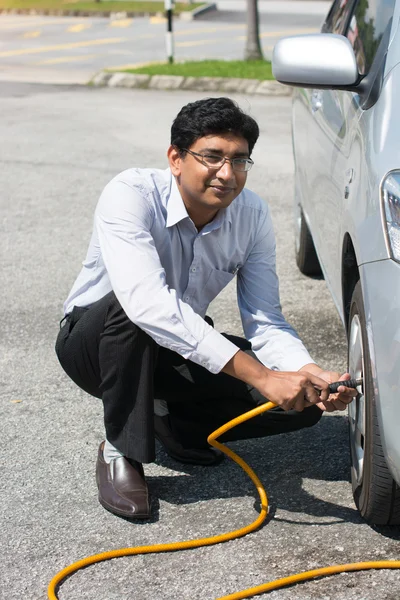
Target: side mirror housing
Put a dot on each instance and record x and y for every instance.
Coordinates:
(322, 60)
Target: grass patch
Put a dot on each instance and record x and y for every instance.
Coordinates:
(253, 69)
(112, 6)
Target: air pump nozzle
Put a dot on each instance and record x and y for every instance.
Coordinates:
(350, 383)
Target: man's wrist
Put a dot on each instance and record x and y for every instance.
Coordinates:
(246, 368)
(312, 368)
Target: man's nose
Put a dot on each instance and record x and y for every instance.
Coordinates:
(226, 171)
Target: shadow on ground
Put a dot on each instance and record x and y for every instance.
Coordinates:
(282, 463)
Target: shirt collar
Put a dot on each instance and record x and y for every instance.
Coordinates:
(176, 210)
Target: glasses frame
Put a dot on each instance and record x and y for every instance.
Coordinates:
(224, 159)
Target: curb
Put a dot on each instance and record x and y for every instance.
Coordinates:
(184, 15)
(199, 84)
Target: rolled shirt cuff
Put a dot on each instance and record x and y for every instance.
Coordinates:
(286, 362)
(214, 351)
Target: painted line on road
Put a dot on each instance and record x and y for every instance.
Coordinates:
(79, 27)
(31, 34)
(274, 34)
(120, 23)
(65, 59)
(241, 38)
(157, 20)
(279, 34)
(7, 26)
(209, 29)
(196, 43)
(63, 47)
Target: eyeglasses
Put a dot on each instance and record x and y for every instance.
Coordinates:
(213, 161)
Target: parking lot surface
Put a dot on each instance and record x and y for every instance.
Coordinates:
(60, 146)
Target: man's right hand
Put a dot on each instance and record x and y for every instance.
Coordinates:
(289, 390)
(293, 390)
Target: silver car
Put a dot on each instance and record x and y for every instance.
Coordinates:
(346, 141)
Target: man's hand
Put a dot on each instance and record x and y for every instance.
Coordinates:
(344, 396)
(289, 390)
(294, 390)
(337, 401)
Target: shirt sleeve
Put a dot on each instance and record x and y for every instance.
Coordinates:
(123, 219)
(273, 340)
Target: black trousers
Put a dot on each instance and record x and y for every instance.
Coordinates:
(109, 357)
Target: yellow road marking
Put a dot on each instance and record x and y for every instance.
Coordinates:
(196, 43)
(273, 34)
(79, 27)
(209, 29)
(121, 23)
(65, 59)
(30, 24)
(279, 34)
(62, 47)
(268, 34)
(31, 34)
(156, 20)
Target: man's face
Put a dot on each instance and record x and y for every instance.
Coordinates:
(204, 189)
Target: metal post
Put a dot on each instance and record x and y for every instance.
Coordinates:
(169, 39)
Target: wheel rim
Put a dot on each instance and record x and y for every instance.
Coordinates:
(298, 217)
(357, 407)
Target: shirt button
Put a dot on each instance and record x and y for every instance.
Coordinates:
(194, 269)
(186, 298)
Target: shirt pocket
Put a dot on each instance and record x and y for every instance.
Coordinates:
(216, 282)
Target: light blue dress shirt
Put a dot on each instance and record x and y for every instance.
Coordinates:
(165, 273)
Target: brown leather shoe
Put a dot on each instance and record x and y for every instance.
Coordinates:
(122, 487)
(193, 456)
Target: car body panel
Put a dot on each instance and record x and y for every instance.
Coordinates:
(383, 329)
(343, 151)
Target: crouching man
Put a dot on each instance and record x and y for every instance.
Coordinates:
(135, 331)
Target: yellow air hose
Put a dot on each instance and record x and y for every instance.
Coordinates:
(217, 539)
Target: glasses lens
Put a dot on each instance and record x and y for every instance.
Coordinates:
(212, 160)
(242, 164)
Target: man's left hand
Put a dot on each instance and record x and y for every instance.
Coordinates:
(337, 401)
(344, 396)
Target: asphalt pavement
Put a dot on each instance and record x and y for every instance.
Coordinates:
(60, 146)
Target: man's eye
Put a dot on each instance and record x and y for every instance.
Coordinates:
(212, 158)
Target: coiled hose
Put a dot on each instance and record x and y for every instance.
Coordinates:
(217, 539)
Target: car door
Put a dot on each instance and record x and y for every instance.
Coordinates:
(333, 114)
(338, 145)
(307, 149)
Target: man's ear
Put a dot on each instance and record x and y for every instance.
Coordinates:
(174, 159)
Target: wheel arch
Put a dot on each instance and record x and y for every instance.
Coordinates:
(350, 276)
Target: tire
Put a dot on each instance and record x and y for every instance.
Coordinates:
(306, 256)
(376, 494)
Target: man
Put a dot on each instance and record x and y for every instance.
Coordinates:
(135, 331)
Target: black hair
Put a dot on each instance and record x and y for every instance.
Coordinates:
(212, 116)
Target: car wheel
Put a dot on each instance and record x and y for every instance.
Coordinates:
(306, 256)
(376, 494)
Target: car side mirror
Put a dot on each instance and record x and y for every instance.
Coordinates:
(322, 60)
